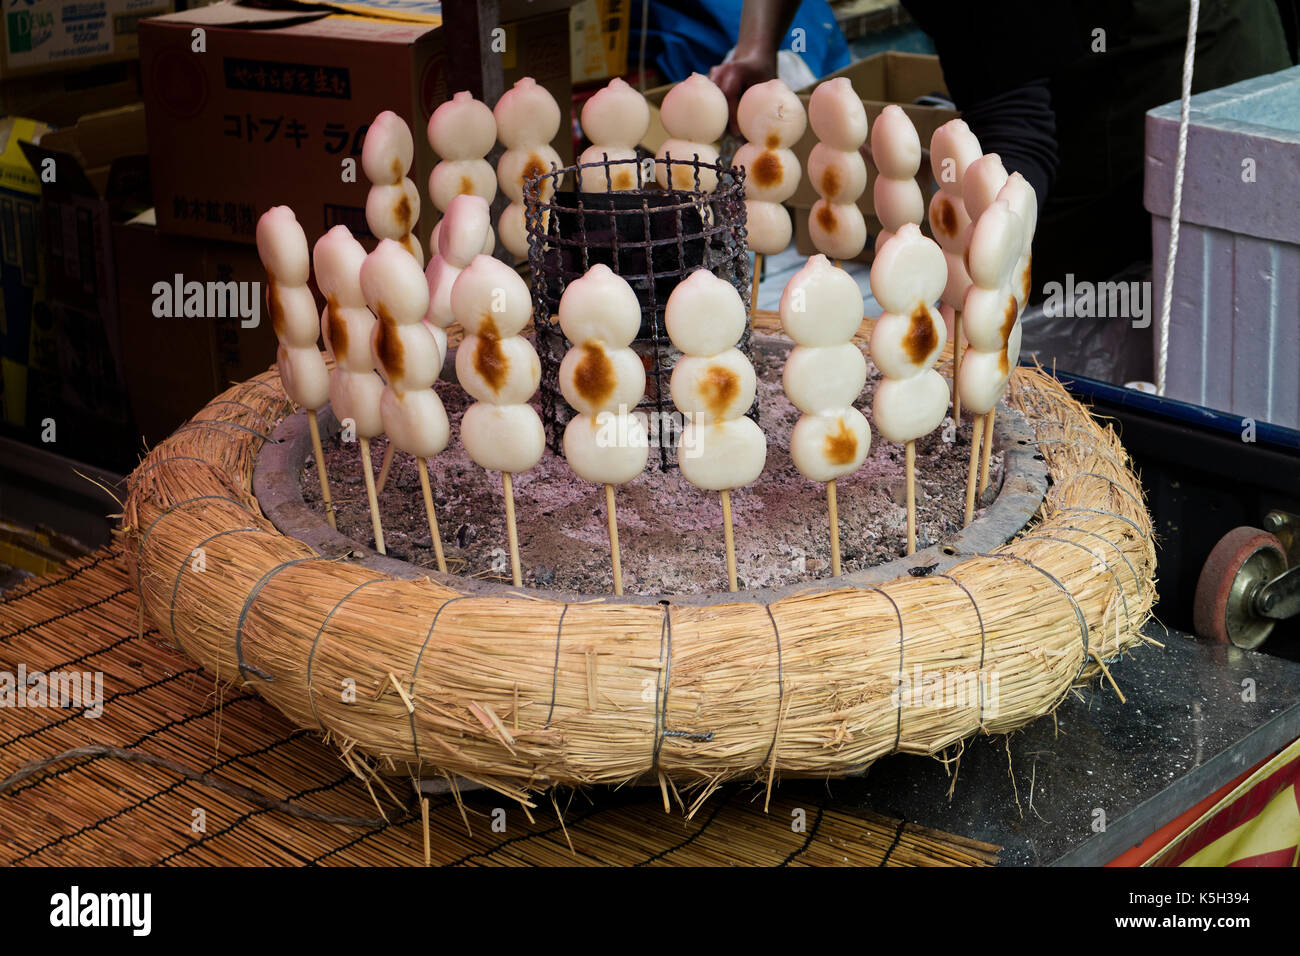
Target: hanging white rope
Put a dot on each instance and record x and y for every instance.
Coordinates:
(1175, 214)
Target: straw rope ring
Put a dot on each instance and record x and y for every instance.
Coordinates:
(518, 690)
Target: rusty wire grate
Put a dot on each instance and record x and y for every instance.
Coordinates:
(651, 237)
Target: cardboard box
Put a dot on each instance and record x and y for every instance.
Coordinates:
(60, 99)
(90, 174)
(204, 354)
(278, 107)
(898, 78)
(20, 267)
(598, 36)
(882, 80)
(42, 36)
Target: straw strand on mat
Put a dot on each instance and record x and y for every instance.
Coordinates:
(572, 681)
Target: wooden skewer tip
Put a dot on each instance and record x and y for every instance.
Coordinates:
(319, 452)
(369, 475)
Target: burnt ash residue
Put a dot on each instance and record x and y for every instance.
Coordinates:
(670, 532)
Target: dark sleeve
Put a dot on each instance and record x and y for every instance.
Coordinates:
(1020, 126)
(1290, 14)
(998, 59)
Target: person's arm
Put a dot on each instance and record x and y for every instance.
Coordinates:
(763, 24)
(996, 61)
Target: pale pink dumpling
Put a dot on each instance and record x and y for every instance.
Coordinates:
(952, 149)
(452, 178)
(282, 246)
(616, 115)
(462, 128)
(769, 114)
(464, 229)
(767, 227)
(704, 315)
(686, 176)
(839, 177)
(388, 150)
(526, 114)
(895, 145)
(821, 305)
(489, 291)
(898, 201)
(980, 186)
(837, 115)
(837, 230)
(615, 168)
(600, 306)
(303, 375)
(908, 271)
(695, 109)
(771, 172)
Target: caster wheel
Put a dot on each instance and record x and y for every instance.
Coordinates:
(1243, 561)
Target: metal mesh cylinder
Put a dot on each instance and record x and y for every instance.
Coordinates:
(651, 237)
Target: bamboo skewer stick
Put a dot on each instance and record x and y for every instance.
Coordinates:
(383, 469)
(956, 366)
(433, 515)
(753, 292)
(976, 439)
(424, 817)
(835, 527)
(368, 473)
(729, 538)
(319, 452)
(911, 497)
(507, 483)
(615, 557)
(988, 450)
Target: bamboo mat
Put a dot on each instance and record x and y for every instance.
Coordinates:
(102, 810)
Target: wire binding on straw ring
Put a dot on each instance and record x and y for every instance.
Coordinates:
(1113, 573)
(1071, 428)
(1108, 514)
(1104, 453)
(661, 684)
(231, 401)
(780, 685)
(212, 422)
(185, 562)
(415, 671)
(1074, 605)
(279, 393)
(141, 472)
(144, 539)
(555, 668)
(311, 654)
(1092, 474)
(245, 669)
(979, 617)
(898, 733)
(1137, 585)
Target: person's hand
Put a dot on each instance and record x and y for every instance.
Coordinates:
(740, 73)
